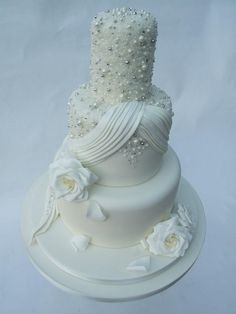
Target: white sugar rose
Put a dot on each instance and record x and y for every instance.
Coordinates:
(169, 238)
(69, 179)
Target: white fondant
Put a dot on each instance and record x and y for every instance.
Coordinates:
(141, 264)
(169, 238)
(80, 242)
(132, 210)
(94, 211)
(50, 214)
(69, 179)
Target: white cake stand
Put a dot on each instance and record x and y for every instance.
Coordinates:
(100, 273)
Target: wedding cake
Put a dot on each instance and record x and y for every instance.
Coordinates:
(114, 180)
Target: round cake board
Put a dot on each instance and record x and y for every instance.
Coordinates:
(100, 273)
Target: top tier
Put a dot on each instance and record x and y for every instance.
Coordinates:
(122, 55)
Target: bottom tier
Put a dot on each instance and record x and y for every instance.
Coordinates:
(101, 273)
(129, 212)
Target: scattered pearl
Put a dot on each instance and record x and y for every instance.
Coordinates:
(141, 38)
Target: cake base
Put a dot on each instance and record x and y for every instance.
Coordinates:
(100, 273)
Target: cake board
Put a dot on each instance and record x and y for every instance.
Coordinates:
(100, 273)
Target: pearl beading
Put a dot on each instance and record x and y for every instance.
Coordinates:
(122, 55)
(134, 149)
(84, 112)
(51, 202)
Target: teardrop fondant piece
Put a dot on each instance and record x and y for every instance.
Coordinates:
(95, 212)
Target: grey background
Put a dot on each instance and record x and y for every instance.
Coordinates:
(44, 55)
